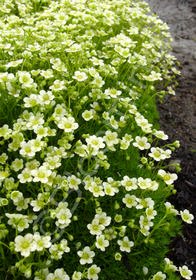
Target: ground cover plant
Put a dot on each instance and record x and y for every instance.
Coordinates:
(84, 179)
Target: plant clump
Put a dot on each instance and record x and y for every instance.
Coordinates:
(83, 173)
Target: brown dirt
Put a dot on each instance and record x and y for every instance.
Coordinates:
(175, 119)
(178, 119)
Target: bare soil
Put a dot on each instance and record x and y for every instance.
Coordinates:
(178, 119)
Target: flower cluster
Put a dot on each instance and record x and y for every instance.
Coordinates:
(82, 169)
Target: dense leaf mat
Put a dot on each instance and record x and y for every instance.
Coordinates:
(84, 180)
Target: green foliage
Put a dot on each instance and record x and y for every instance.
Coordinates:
(83, 176)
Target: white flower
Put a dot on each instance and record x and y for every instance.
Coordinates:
(145, 222)
(186, 216)
(124, 145)
(5, 131)
(145, 231)
(95, 227)
(98, 82)
(168, 178)
(41, 242)
(45, 97)
(109, 189)
(167, 153)
(41, 274)
(17, 164)
(129, 183)
(73, 182)
(47, 74)
(3, 158)
(41, 131)
(95, 142)
(97, 61)
(16, 196)
(59, 274)
(185, 272)
(81, 149)
(88, 114)
(52, 162)
(93, 271)
(143, 123)
(59, 111)
(169, 265)
(25, 79)
(151, 213)
(159, 276)
(35, 72)
(39, 203)
(80, 76)
(63, 216)
(128, 138)
(50, 132)
(14, 63)
(37, 144)
(113, 122)
(41, 174)
(170, 208)
(153, 76)
(145, 203)
(96, 189)
(35, 121)
(74, 48)
(144, 183)
(141, 143)
(76, 275)
(111, 139)
(125, 52)
(130, 200)
(63, 246)
(22, 203)
(58, 85)
(25, 176)
(3, 175)
(33, 164)
(93, 72)
(160, 134)
(125, 244)
(34, 47)
(86, 255)
(103, 219)
(25, 244)
(112, 92)
(159, 154)
(4, 77)
(27, 149)
(58, 65)
(101, 242)
(12, 90)
(18, 221)
(61, 17)
(55, 252)
(145, 270)
(171, 91)
(154, 186)
(67, 124)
